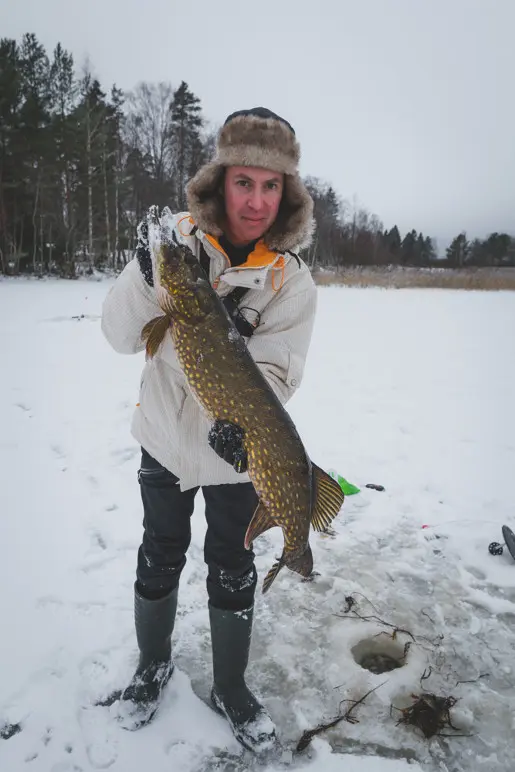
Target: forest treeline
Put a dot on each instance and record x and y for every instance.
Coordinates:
(80, 164)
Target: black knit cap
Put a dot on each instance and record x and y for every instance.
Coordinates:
(259, 112)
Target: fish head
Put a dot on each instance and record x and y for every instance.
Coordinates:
(178, 269)
(182, 283)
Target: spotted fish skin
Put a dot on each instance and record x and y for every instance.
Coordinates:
(293, 492)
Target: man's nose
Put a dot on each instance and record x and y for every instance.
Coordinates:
(255, 199)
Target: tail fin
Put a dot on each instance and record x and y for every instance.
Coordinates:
(269, 578)
(303, 564)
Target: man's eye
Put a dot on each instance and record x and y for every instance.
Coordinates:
(243, 183)
(272, 185)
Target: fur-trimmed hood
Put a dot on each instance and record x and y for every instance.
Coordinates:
(262, 139)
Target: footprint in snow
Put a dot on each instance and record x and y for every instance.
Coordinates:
(182, 754)
(494, 591)
(98, 540)
(93, 669)
(118, 553)
(83, 607)
(96, 565)
(476, 573)
(46, 601)
(100, 736)
(45, 740)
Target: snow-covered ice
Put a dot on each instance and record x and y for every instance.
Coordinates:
(411, 389)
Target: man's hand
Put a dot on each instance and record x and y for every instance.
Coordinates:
(226, 439)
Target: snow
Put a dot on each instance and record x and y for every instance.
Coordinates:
(411, 389)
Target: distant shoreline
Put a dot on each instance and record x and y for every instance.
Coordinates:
(399, 277)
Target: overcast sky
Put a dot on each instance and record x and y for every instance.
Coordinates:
(408, 106)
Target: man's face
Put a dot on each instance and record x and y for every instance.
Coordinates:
(252, 198)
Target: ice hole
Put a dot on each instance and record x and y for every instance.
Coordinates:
(380, 654)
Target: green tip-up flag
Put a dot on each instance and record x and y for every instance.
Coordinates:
(348, 488)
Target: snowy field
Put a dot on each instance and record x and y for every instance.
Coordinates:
(410, 389)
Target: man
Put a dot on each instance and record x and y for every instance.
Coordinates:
(249, 213)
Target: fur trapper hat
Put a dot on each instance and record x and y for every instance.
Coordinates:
(256, 137)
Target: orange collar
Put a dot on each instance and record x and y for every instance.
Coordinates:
(260, 257)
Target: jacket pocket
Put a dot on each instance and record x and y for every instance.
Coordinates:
(152, 473)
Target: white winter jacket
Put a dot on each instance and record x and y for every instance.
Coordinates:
(168, 421)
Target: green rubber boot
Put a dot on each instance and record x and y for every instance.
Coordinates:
(154, 621)
(230, 638)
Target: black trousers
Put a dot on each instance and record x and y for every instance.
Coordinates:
(231, 579)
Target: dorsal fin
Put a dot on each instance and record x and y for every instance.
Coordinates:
(328, 499)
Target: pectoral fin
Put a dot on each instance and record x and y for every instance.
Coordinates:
(153, 333)
(261, 522)
(327, 500)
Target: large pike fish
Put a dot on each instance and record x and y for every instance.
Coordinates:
(293, 492)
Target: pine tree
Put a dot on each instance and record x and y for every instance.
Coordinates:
(115, 124)
(11, 219)
(428, 251)
(420, 251)
(392, 242)
(476, 254)
(458, 251)
(138, 189)
(34, 123)
(91, 115)
(330, 243)
(63, 90)
(408, 252)
(185, 138)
